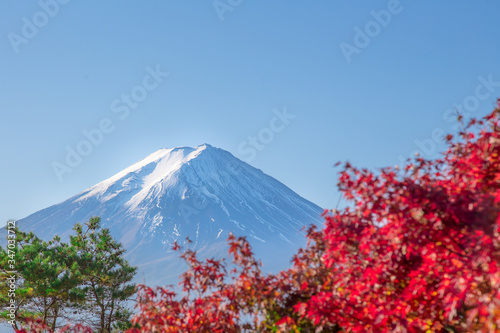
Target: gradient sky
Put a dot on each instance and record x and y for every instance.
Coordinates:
(231, 68)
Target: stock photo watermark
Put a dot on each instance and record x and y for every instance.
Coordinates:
(10, 271)
(428, 147)
(225, 6)
(32, 25)
(122, 107)
(364, 35)
(193, 206)
(249, 148)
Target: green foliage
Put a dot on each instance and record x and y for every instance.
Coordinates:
(105, 275)
(86, 280)
(44, 285)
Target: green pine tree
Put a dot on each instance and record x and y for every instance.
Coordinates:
(45, 288)
(84, 281)
(105, 275)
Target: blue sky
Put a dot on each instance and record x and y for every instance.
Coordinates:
(369, 82)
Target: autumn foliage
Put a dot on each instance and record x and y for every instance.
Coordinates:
(241, 299)
(420, 251)
(415, 250)
(38, 326)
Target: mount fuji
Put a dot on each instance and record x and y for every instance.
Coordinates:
(203, 193)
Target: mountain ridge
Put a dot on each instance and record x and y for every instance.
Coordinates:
(203, 193)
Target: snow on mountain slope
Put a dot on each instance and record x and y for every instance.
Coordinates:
(202, 193)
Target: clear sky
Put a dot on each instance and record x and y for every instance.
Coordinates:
(290, 86)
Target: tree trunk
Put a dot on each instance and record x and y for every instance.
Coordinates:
(54, 320)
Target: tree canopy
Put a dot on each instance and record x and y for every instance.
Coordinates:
(83, 281)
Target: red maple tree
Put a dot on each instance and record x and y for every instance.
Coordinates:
(418, 251)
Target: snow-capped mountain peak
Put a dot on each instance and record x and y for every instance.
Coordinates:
(203, 193)
(166, 161)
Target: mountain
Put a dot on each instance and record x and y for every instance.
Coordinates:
(203, 193)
